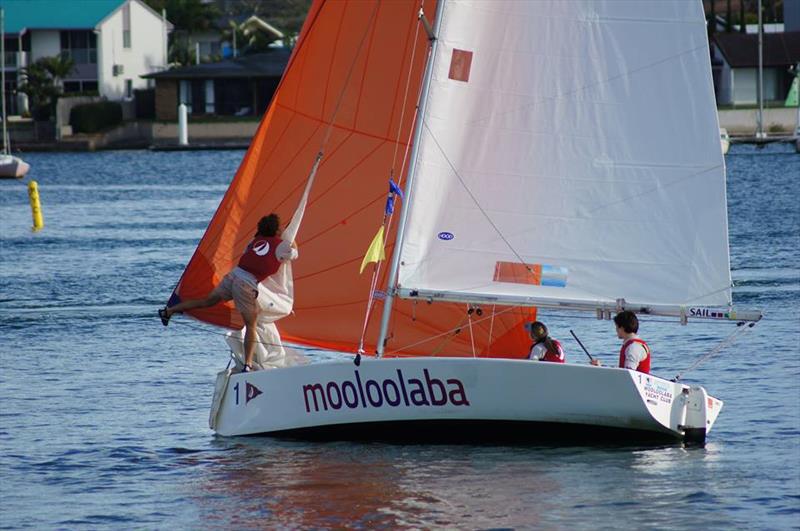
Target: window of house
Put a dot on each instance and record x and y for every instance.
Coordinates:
(72, 86)
(126, 26)
(11, 96)
(209, 88)
(128, 88)
(75, 85)
(185, 94)
(80, 46)
(11, 52)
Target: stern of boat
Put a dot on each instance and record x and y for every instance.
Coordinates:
(686, 410)
(702, 410)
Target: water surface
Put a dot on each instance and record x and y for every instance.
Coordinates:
(103, 412)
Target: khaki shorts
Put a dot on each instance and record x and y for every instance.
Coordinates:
(241, 287)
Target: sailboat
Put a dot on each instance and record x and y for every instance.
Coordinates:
(10, 166)
(517, 138)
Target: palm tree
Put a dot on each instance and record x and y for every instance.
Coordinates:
(42, 82)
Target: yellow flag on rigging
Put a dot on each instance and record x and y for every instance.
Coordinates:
(375, 253)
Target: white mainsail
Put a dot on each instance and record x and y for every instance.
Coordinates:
(578, 137)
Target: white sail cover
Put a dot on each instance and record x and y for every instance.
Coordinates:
(580, 138)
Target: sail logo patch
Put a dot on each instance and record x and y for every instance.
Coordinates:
(251, 391)
(446, 236)
(460, 64)
(714, 314)
(261, 248)
(357, 393)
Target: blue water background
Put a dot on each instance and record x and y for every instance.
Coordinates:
(103, 412)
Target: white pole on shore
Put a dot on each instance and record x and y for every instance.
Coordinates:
(6, 147)
(197, 53)
(165, 38)
(183, 127)
(760, 86)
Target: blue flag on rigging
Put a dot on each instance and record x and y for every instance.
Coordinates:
(393, 190)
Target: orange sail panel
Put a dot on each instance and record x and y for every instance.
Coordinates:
(344, 87)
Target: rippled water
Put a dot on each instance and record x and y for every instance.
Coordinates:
(104, 412)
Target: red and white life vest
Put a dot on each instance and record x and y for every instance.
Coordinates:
(259, 258)
(558, 357)
(644, 365)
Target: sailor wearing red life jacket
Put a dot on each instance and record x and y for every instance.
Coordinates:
(634, 354)
(544, 347)
(262, 258)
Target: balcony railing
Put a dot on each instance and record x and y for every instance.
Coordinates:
(16, 60)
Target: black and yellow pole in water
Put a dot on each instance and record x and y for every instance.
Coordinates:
(36, 206)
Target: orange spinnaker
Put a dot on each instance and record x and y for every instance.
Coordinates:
(360, 51)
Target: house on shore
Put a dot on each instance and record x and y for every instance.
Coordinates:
(112, 42)
(241, 86)
(213, 44)
(734, 59)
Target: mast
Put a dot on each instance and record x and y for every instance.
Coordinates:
(3, 76)
(426, 83)
(760, 120)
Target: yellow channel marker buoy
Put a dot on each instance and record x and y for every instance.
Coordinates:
(36, 206)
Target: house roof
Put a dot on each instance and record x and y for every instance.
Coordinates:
(25, 15)
(741, 50)
(267, 64)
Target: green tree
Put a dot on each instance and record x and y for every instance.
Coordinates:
(286, 15)
(187, 17)
(247, 40)
(42, 84)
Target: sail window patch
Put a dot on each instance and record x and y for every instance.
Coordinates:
(460, 64)
(533, 274)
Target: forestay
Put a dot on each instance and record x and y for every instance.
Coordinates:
(580, 138)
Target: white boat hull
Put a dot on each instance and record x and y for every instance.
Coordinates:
(12, 167)
(385, 397)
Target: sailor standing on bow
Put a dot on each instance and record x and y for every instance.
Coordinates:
(262, 259)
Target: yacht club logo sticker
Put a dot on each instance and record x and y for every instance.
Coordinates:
(446, 236)
(356, 393)
(251, 391)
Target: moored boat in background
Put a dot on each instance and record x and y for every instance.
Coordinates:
(11, 167)
(725, 140)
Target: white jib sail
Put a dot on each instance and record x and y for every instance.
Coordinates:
(580, 138)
